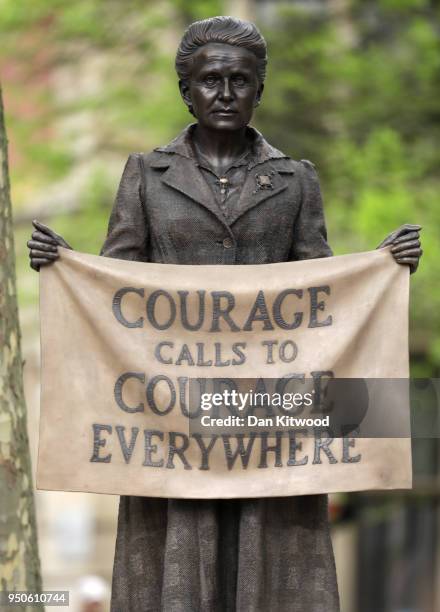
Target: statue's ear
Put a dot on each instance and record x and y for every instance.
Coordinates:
(259, 94)
(186, 96)
(184, 92)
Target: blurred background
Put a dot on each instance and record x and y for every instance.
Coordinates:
(353, 85)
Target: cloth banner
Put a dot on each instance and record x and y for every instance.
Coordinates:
(123, 341)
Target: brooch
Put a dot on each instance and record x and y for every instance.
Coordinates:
(264, 181)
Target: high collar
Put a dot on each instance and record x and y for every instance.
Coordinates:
(261, 151)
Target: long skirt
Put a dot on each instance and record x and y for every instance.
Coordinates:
(245, 555)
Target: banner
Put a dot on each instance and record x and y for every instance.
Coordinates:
(151, 372)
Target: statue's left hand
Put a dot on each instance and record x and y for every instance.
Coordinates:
(405, 245)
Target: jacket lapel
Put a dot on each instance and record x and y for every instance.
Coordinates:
(184, 176)
(262, 182)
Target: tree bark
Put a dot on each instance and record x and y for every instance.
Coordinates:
(19, 560)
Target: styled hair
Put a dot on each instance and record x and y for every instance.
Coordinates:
(226, 30)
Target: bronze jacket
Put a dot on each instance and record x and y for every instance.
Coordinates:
(165, 211)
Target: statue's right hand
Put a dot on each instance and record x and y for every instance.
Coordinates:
(43, 246)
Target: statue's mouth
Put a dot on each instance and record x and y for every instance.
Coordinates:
(225, 112)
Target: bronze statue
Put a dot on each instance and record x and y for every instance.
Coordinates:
(220, 194)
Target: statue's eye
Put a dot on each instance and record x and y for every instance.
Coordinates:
(210, 80)
(239, 80)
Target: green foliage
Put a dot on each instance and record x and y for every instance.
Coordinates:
(193, 10)
(86, 229)
(298, 100)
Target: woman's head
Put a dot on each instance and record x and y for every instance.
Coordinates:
(221, 63)
(224, 30)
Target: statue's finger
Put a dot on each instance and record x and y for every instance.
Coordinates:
(408, 253)
(40, 262)
(42, 246)
(43, 228)
(46, 230)
(40, 237)
(35, 254)
(408, 260)
(407, 227)
(411, 226)
(35, 266)
(406, 236)
(402, 246)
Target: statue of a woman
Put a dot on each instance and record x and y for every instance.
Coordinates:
(220, 194)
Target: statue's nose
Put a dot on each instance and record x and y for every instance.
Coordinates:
(226, 91)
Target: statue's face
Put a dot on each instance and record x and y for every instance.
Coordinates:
(223, 89)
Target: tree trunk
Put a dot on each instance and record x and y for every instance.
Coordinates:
(19, 560)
